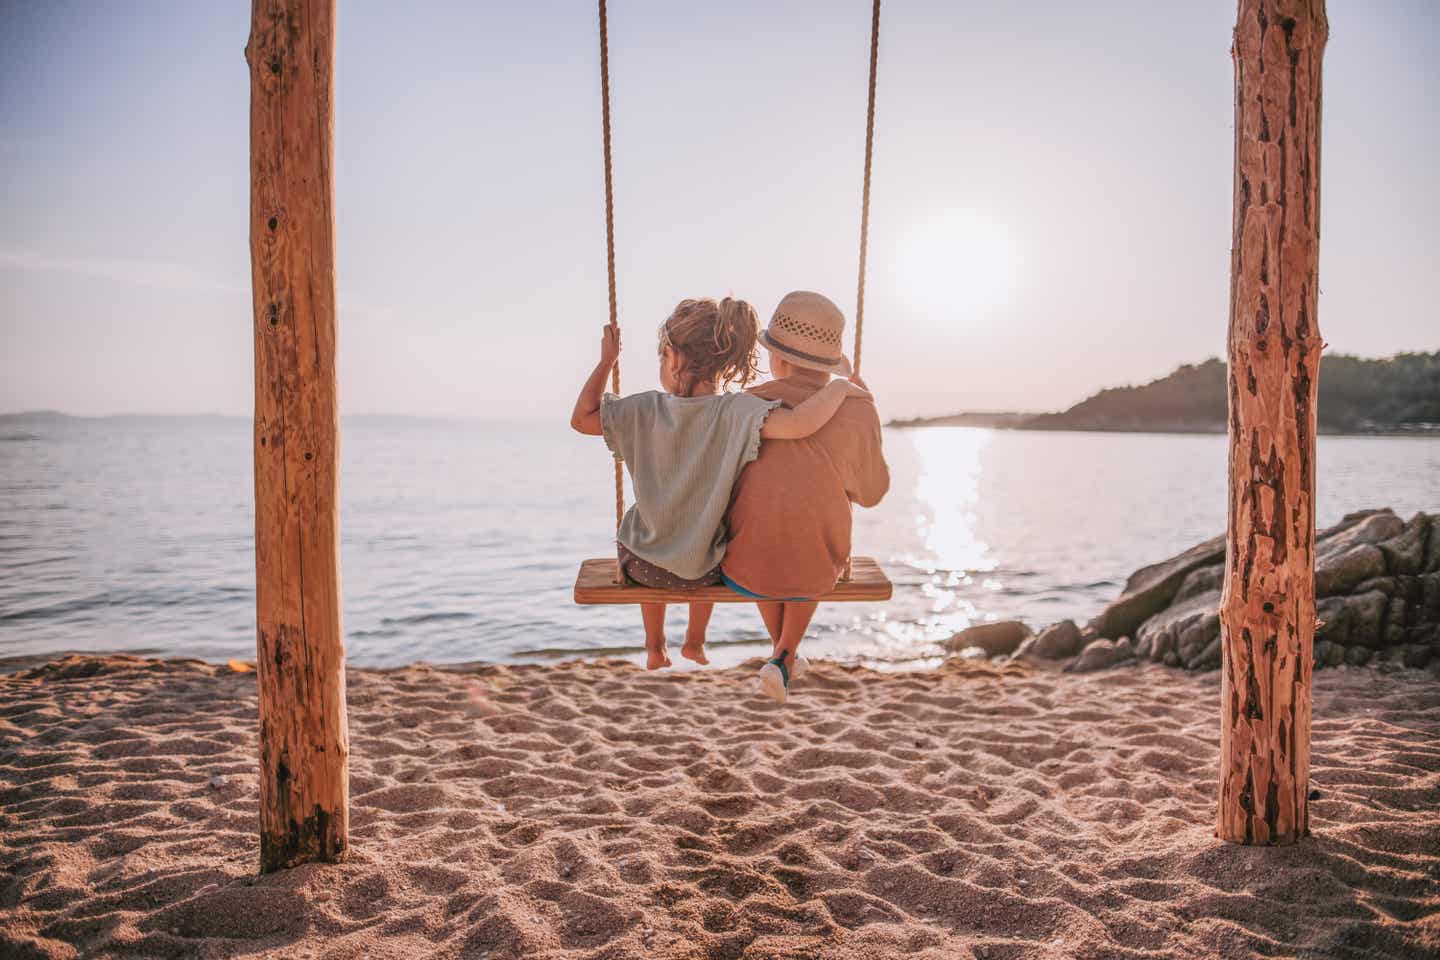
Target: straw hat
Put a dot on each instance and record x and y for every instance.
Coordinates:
(809, 331)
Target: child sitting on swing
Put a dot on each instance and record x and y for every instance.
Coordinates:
(684, 446)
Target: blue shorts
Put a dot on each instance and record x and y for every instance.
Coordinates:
(755, 596)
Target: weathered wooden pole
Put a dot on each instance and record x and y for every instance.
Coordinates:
(304, 745)
(1267, 612)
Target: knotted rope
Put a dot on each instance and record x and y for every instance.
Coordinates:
(865, 194)
(865, 203)
(610, 255)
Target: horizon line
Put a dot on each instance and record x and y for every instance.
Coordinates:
(49, 412)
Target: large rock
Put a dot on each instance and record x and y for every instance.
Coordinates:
(1208, 658)
(1338, 572)
(1058, 641)
(1394, 622)
(1328, 654)
(1367, 613)
(1386, 585)
(1368, 526)
(1202, 580)
(1349, 521)
(1151, 589)
(1196, 641)
(996, 639)
(1377, 599)
(1159, 647)
(1405, 554)
(1332, 622)
(1358, 656)
(1430, 595)
(1354, 620)
(1432, 549)
(1416, 655)
(1185, 628)
(1346, 554)
(1099, 655)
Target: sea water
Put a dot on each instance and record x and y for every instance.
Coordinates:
(460, 539)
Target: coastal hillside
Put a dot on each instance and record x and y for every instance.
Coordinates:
(1357, 395)
(1192, 399)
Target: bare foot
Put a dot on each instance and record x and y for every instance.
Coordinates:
(657, 658)
(694, 649)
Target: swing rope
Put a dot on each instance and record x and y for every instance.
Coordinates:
(610, 255)
(865, 194)
(865, 210)
(610, 227)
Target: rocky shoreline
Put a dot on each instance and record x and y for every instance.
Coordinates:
(1377, 588)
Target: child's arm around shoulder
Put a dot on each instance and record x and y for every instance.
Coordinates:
(586, 417)
(814, 413)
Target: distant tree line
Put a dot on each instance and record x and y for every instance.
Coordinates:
(1401, 391)
(1356, 395)
(1398, 393)
(1190, 399)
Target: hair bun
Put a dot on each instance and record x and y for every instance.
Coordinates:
(715, 340)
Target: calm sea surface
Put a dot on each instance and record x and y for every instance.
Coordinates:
(460, 539)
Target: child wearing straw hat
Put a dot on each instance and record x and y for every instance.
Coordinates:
(789, 518)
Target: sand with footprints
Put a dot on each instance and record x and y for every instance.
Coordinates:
(592, 810)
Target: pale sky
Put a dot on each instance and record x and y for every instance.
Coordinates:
(1050, 210)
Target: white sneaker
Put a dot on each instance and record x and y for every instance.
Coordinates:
(772, 681)
(775, 679)
(799, 668)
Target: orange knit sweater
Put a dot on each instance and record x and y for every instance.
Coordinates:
(789, 517)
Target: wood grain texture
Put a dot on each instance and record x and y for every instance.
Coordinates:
(304, 745)
(1267, 611)
(596, 584)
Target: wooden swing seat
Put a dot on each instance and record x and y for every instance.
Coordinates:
(596, 584)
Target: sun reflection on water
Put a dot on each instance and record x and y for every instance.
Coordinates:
(942, 569)
(948, 491)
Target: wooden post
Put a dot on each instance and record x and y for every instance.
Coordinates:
(304, 745)
(1267, 612)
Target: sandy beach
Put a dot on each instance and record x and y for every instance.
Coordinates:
(591, 810)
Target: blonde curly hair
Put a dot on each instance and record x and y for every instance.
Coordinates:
(715, 340)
